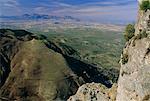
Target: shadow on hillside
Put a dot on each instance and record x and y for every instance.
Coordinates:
(91, 73)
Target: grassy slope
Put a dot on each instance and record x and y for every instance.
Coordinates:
(39, 72)
(53, 68)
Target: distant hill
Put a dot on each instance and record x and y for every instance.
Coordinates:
(39, 17)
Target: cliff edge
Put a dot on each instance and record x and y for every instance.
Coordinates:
(134, 79)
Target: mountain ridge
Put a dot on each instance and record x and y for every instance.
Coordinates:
(39, 17)
(38, 69)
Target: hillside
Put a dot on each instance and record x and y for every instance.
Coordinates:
(35, 68)
(96, 46)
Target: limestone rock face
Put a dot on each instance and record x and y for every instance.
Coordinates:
(134, 79)
(143, 23)
(94, 92)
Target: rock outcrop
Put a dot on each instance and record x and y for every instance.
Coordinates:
(134, 79)
(94, 92)
(143, 23)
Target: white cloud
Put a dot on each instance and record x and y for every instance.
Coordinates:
(9, 2)
(95, 12)
(9, 7)
(41, 10)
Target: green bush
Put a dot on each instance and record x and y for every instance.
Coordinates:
(144, 34)
(145, 5)
(1, 72)
(124, 58)
(129, 32)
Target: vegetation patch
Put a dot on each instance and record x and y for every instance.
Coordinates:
(96, 46)
(129, 32)
(145, 5)
(125, 58)
(142, 34)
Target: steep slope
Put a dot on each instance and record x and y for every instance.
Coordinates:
(36, 69)
(9, 46)
(134, 79)
(29, 78)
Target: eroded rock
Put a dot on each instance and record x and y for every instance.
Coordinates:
(134, 79)
(94, 92)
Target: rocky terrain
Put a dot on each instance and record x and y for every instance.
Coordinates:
(33, 68)
(134, 79)
(94, 92)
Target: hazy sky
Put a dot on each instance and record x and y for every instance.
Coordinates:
(94, 10)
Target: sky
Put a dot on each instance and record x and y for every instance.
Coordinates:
(104, 11)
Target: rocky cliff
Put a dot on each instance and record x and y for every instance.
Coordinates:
(134, 79)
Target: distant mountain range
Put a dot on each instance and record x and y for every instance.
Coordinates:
(39, 17)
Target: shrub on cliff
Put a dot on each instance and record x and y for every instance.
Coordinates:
(145, 5)
(129, 32)
(124, 58)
